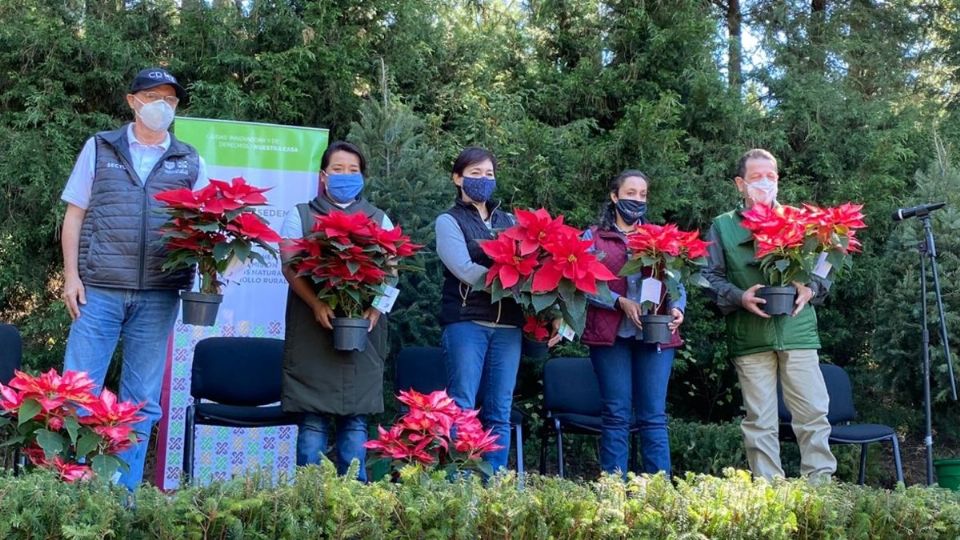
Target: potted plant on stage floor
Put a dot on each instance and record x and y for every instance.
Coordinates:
(42, 416)
(544, 265)
(351, 259)
(665, 256)
(214, 229)
(794, 243)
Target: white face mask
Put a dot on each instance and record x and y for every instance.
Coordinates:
(763, 191)
(157, 116)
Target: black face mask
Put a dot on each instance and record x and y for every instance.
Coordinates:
(631, 211)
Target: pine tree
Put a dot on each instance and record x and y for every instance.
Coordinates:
(406, 183)
(897, 363)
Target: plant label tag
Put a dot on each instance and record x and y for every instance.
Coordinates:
(566, 331)
(651, 290)
(822, 269)
(384, 301)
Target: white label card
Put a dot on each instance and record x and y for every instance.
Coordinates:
(822, 269)
(651, 290)
(566, 331)
(384, 301)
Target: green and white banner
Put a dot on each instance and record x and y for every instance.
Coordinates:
(285, 159)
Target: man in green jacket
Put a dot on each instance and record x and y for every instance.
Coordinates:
(764, 347)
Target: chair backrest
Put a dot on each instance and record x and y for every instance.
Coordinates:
(11, 351)
(241, 371)
(838, 388)
(570, 386)
(421, 369)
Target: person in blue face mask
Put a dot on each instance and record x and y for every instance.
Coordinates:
(481, 339)
(332, 390)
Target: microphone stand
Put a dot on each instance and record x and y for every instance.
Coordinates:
(928, 248)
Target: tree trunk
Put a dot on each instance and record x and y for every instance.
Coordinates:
(734, 45)
(815, 33)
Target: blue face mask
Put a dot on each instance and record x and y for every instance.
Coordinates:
(343, 188)
(480, 189)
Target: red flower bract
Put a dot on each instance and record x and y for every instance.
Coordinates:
(534, 227)
(775, 229)
(71, 472)
(423, 434)
(253, 226)
(787, 239)
(534, 328)
(51, 403)
(349, 257)
(508, 265)
(220, 213)
(52, 390)
(571, 258)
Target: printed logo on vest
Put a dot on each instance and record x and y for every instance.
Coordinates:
(115, 165)
(171, 164)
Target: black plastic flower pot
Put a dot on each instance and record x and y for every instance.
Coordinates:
(200, 309)
(655, 329)
(350, 334)
(780, 300)
(534, 349)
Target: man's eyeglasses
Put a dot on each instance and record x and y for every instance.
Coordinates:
(150, 97)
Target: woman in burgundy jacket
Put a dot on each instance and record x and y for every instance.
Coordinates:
(633, 375)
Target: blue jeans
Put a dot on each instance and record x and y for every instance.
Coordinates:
(313, 436)
(144, 321)
(482, 364)
(633, 379)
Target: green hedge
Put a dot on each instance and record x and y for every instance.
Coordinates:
(318, 504)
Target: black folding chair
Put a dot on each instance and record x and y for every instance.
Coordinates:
(235, 383)
(840, 415)
(422, 369)
(11, 355)
(572, 403)
(11, 351)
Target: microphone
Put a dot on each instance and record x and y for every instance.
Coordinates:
(906, 213)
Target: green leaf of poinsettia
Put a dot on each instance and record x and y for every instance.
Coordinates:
(87, 443)
(72, 426)
(105, 466)
(28, 409)
(485, 468)
(51, 443)
(543, 301)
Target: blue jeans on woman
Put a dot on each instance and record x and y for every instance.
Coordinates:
(633, 379)
(482, 363)
(314, 434)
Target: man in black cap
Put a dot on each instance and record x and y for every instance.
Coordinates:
(112, 252)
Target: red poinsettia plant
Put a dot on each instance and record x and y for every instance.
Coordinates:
(670, 254)
(790, 241)
(350, 257)
(214, 227)
(44, 413)
(435, 432)
(544, 265)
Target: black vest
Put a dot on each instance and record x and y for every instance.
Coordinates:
(459, 301)
(120, 240)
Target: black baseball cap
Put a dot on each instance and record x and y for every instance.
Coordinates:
(153, 77)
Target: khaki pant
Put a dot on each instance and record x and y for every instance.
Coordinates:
(805, 395)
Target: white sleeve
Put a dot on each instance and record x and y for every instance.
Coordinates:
(292, 227)
(80, 184)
